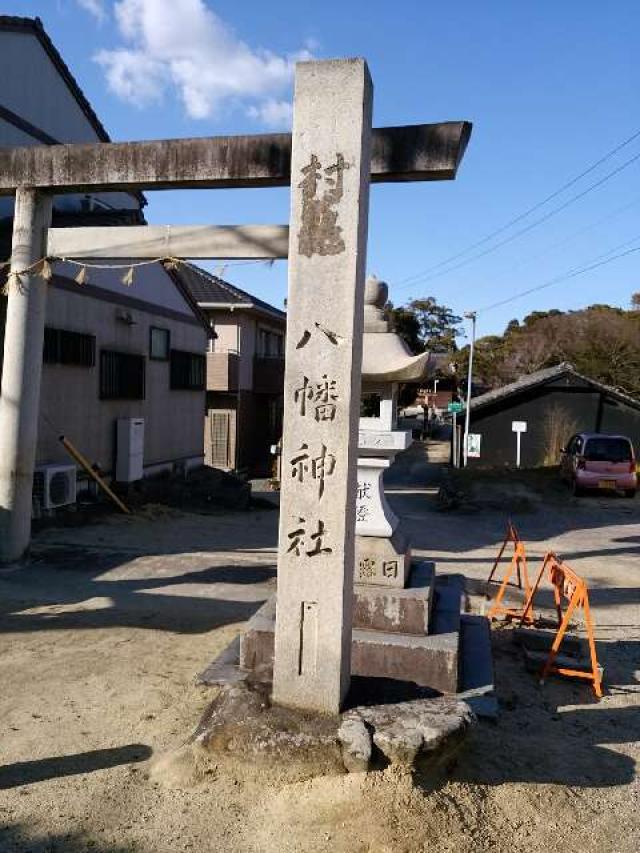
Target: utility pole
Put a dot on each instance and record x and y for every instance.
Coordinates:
(469, 315)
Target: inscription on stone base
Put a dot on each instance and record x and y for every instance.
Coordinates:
(382, 561)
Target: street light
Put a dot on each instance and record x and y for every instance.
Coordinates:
(469, 315)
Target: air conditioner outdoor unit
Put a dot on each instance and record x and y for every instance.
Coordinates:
(54, 485)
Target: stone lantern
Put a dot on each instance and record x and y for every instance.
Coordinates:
(383, 554)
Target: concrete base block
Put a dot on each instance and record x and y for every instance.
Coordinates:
(400, 611)
(257, 642)
(430, 661)
(383, 561)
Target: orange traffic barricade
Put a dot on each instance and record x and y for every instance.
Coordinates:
(568, 587)
(516, 569)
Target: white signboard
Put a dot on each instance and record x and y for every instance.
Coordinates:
(518, 427)
(473, 445)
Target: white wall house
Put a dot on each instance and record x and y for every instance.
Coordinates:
(111, 351)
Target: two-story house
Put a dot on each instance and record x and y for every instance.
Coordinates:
(113, 355)
(245, 373)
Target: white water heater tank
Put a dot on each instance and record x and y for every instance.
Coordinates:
(130, 450)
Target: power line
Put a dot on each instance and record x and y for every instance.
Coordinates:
(526, 213)
(566, 276)
(529, 227)
(565, 240)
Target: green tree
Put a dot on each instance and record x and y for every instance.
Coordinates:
(405, 323)
(426, 326)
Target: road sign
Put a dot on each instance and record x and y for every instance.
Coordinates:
(454, 407)
(473, 445)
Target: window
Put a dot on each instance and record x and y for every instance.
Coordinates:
(159, 343)
(187, 371)
(71, 348)
(270, 344)
(608, 450)
(121, 376)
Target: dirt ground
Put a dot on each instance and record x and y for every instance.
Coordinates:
(103, 633)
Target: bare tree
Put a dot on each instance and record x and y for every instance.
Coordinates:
(558, 428)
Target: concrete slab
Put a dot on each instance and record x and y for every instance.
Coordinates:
(477, 686)
(541, 641)
(430, 661)
(225, 668)
(401, 611)
(534, 661)
(447, 604)
(476, 674)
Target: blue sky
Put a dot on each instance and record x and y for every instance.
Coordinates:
(550, 86)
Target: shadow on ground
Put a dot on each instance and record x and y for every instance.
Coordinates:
(67, 587)
(41, 769)
(19, 837)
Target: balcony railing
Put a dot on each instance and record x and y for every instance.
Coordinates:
(222, 371)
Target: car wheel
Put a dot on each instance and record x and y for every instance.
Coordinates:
(629, 493)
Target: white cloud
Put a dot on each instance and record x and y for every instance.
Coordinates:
(95, 8)
(273, 112)
(183, 45)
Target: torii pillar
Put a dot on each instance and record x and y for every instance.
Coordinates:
(21, 372)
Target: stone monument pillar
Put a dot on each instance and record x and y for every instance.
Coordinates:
(330, 169)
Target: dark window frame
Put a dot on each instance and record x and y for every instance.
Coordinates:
(167, 332)
(187, 371)
(68, 348)
(124, 386)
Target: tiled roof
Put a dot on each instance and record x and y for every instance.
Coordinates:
(208, 289)
(15, 24)
(12, 23)
(541, 377)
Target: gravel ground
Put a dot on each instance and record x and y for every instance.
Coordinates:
(103, 633)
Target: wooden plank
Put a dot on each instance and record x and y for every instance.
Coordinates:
(175, 241)
(425, 152)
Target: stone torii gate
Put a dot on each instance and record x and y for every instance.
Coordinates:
(329, 161)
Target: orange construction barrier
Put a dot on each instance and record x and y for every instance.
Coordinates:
(568, 586)
(517, 566)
